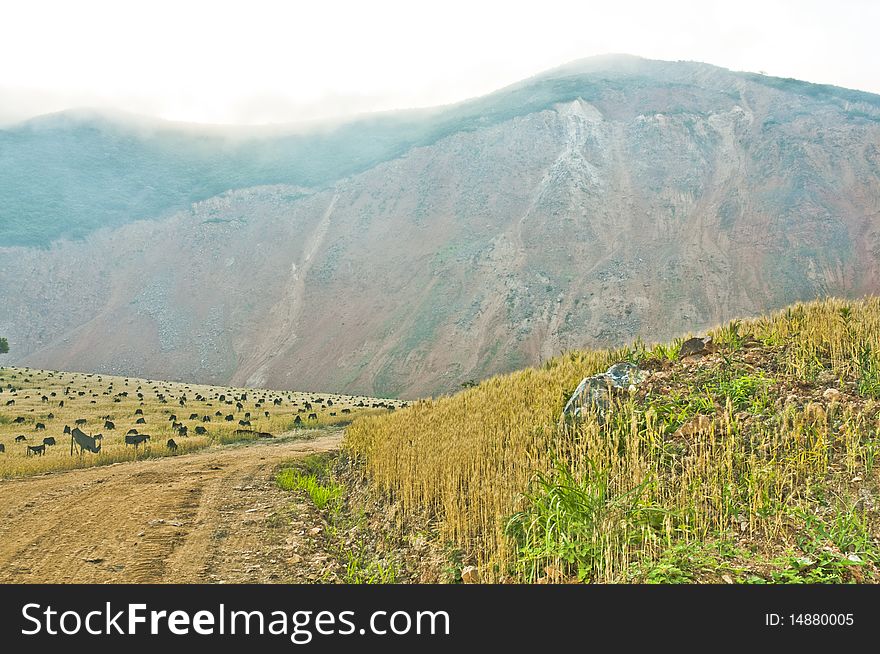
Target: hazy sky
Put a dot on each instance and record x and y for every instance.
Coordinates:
(258, 61)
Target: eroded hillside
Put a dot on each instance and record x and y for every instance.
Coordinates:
(590, 206)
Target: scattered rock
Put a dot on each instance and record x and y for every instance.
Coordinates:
(698, 425)
(695, 347)
(831, 394)
(595, 391)
(470, 575)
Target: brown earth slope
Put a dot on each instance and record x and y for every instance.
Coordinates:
(656, 198)
(211, 517)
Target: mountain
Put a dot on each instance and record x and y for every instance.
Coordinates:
(406, 253)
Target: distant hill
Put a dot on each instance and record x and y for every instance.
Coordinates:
(407, 253)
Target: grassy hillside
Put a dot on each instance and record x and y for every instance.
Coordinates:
(752, 463)
(29, 398)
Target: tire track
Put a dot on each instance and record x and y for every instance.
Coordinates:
(153, 521)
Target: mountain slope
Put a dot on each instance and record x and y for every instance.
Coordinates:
(607, 200)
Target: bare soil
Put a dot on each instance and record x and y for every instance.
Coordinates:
(215, 516)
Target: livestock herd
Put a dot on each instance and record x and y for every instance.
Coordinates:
(143, 415)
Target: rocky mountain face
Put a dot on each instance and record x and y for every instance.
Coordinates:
(600, 202)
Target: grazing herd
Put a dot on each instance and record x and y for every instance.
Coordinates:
(73, 406)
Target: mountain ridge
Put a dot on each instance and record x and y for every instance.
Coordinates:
(646, 206)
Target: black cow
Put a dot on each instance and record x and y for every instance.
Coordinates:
(138, 412)
(36, 450)
(2, 447)
(230, 418)
(108, 425)
(297, 421)
(313, 416)
(206, 419)
(244, 423)
(131, 431)
(39, 426)
(182, 430)
(49, 440)
(80, 421)
(346, 411)
(193, 416)
(171, 445)
(66, 429)
(136, 439)
(20, 439)
(140, 421)
(201, 430)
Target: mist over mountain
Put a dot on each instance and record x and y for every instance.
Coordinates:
(405, 253)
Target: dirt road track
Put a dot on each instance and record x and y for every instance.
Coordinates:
(212, 516)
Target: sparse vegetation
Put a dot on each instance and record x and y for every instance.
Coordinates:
(753, 463)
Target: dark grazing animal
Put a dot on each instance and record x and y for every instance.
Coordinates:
(244, 423)
(80, 421)
(109, 425)
(297, 421)
(193, 416)
(171, 445)
(182, 430)
(2, 447)
(10, 402)
(66, 429)
(49, 440)
(230, 418)
(140, 421)
(138, 412)
(131, 431)
(346, 411)
(36, 450)
(83, 441)
(18, 420)
(136, 439)
(313, 416)
(201, 430)
(19, 439)
(39, 426)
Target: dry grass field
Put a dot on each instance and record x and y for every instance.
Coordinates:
(38, 404)
(753, 462)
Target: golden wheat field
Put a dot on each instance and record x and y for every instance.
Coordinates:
(753, 462)
(38, 404)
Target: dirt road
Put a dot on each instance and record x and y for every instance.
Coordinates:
(212, 516)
